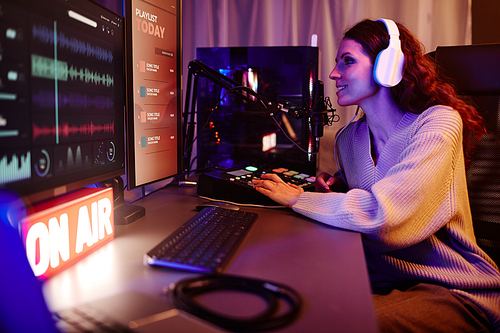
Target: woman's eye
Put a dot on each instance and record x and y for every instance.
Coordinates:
(348, 61)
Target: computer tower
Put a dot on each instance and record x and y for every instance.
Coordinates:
(232, 133)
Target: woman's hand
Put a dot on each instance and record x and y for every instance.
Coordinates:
(326, 183)
(275, 188)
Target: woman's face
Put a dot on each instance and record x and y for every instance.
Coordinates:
(353, 74)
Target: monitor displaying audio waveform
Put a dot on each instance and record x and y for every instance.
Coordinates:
(153, 38)
(62, 95)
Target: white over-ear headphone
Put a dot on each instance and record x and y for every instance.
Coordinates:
(388, 68)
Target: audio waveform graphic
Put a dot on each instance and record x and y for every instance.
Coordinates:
(18, 168)
(72, 159)
(46, 68)
(88, 76)
(46, 100)
(65, 130)
(45, 35)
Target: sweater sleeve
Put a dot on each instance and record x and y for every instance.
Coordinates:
(414, 199)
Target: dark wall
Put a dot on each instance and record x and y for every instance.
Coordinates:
(114, 5)
(485, 21)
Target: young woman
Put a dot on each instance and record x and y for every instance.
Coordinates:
(402, 166)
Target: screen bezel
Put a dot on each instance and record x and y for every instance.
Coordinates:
(130, 167)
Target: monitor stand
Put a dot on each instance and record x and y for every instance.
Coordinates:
(124, 213)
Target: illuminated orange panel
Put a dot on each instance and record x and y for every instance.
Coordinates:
(60, 232)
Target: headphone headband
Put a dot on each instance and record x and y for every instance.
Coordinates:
(392, 28)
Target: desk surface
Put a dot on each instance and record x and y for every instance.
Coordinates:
(324, 265)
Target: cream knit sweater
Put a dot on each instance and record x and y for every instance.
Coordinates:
(412, 208)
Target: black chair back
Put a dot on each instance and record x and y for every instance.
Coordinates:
(475, 72)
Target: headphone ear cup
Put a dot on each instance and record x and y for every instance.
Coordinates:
(388, 68)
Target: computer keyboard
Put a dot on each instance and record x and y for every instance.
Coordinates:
(205, 243)
(86, 319)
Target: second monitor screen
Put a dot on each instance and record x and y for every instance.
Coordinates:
(153, 90)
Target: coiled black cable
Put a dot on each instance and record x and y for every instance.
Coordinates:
(185, 291)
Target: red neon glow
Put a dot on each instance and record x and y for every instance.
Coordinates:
(60, 232)
(65, 130)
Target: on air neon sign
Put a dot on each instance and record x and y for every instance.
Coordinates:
(62, 231)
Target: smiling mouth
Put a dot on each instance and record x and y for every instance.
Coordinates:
(341, 88)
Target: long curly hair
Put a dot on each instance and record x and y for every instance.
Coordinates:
(421, 87)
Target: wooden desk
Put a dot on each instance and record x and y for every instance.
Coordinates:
(324, 265)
